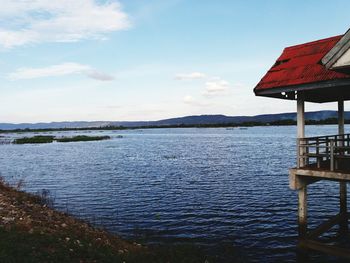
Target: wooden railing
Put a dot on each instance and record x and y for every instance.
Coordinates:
(327, 152)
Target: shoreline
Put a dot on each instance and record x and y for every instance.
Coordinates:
(31, 231)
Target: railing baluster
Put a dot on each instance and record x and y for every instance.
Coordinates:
(314, 151)
(307, 150)
(332, 154)
(318, 158)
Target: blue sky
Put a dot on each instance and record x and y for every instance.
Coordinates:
(148, 60)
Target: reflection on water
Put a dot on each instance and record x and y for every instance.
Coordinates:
(224, 188)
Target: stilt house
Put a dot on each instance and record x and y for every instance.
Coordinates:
(316, 72)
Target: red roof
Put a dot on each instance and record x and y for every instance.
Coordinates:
(300, 64)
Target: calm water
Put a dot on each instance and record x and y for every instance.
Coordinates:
(224, 189)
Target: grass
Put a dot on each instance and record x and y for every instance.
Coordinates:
(18, 246)
(82, 138)
(35, 139)
(50, 139)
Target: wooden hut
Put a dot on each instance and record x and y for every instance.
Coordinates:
(317, 72)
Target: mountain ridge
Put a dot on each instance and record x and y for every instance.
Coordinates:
(186, 120)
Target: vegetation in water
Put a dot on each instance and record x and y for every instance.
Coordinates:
(35, 139)
(82, 138)
(50, 139)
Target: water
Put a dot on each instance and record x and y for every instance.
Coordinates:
(224, 189)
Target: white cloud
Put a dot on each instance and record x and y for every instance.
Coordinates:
(216, 86)
(24, 22)
(190, 76)
(59, 70)
(188, 99)
(94, 74)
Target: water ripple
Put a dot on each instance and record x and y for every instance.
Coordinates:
(224, 189)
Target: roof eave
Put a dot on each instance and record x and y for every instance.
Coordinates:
(326, 88)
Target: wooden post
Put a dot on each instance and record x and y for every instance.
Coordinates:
(341, 117)
(300, 128)
(343, 207)
(302, 193)
(301, 116)
(302, 212)
(342, 185)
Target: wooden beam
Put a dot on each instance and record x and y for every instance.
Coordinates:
(331, 90)
(324, 227)
(297, 182)
(325, 248)
(321, 174)
(302, 212)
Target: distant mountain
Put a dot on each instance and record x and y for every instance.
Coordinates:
(222, 119)
(188, 120)
(53, 125)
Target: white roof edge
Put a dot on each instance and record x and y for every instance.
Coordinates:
(337, 51)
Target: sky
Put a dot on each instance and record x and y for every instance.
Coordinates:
(117, 60)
